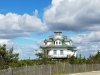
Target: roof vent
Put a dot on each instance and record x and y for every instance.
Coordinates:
(57, 33)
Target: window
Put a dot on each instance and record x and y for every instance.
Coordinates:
(55, 52)
(59, 43)
(56, 43)
(61, 52)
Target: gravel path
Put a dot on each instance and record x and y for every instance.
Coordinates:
(88, 73)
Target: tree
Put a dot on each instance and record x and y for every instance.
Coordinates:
(7, 57)
(41, 58)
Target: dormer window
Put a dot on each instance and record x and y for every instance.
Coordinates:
(57, 42)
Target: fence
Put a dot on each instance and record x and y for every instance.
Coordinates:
(50, 69)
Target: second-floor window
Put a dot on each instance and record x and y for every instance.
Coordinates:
(57, 42)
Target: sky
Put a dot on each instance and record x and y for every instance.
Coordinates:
(24, 24)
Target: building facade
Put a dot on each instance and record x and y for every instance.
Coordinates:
(58, 46)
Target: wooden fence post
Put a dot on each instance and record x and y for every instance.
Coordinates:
(50, 70)
(26, 70)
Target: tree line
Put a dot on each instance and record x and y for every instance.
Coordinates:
(10, 59)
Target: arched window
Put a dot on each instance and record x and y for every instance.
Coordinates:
(57, 42)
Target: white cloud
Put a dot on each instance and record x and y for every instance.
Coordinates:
(68, 15)
(76, 15)
(25, 51)
(87, 38)
(73, 15)
(13, 25)
(4, 41)
(88, 43)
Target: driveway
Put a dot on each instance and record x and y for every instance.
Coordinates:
(88, 73)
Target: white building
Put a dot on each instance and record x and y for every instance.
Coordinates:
(58, 46)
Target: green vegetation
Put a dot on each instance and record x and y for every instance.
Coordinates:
(10, 59)
(7, 57)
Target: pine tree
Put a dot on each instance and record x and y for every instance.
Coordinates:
(7, 57)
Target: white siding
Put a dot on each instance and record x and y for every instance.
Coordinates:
(66, 53)
(68, 43)
(48, 43)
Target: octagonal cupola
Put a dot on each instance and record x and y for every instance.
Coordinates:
(58, 35)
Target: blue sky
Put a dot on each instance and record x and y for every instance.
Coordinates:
(25, 24)
(23, 6)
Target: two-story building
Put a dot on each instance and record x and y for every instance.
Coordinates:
(58, 46)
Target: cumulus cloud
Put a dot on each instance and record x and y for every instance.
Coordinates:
(68, 15)
(87, 37)
(26, 51)
(87, 43)
(14, 25)
(76, 16)
(73, 15)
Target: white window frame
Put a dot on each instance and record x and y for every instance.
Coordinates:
(61, 52)
(55, 52)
